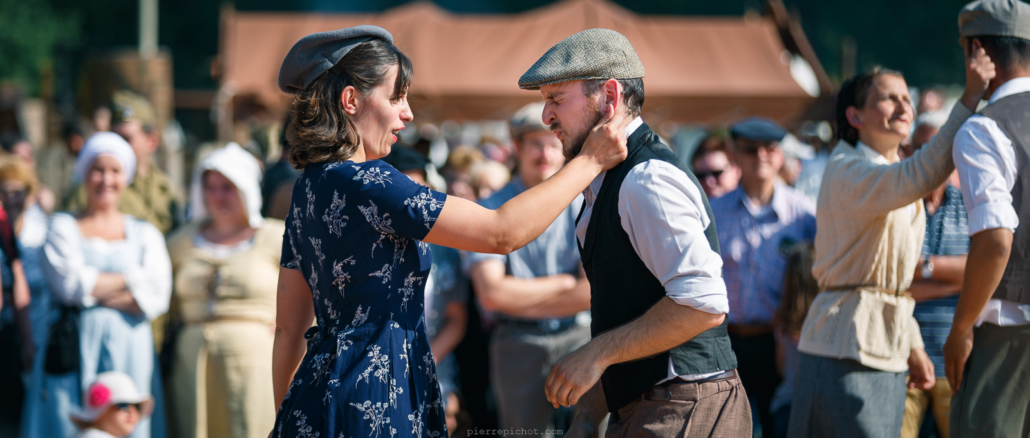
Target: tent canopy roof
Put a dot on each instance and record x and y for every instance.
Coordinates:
(468, 66)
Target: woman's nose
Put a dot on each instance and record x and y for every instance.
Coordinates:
(406, 115)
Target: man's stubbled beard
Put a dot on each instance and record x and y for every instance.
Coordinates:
(574, 143)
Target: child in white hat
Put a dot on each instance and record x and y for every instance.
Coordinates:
(112, 407)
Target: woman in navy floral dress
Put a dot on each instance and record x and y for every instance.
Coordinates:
(355, 244)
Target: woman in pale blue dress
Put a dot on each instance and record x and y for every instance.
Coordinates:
(115, 269)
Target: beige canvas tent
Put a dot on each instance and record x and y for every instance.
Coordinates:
(698, 69)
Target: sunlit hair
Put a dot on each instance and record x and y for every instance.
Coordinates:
(320, 129)
(12, 168)
(711, 144)
(1005, 52)
(854, 92)
(632, 93)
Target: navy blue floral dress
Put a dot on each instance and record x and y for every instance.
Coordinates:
(354, 230)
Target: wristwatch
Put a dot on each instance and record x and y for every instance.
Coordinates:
(927, 270)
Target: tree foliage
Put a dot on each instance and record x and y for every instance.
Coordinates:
(30, 32)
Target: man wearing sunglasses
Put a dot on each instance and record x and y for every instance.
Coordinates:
(756, 223)
(713, 167)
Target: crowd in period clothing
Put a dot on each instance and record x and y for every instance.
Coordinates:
(872, 287)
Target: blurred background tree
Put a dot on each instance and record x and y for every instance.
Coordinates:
(30, 33)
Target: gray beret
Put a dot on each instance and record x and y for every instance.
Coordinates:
(590, 54)
(319, 52)
(1004, 18)
(527, 119)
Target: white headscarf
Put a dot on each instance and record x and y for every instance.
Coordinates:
(106, 144)
(240, 167)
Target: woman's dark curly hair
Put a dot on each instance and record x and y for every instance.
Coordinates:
(854, 92)
(321, 130)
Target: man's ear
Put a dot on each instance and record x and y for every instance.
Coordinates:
(612, 94)
(854, 118)
(349, 100)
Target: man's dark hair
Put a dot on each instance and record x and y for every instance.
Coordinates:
(632, 92)
(1004, 51)
(854, 92)
(709, 145)
(321, 130)
(70, 129)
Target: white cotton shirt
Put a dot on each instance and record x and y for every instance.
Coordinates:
(663, 213)
(986, 163)
(93, 433)
(73, 281)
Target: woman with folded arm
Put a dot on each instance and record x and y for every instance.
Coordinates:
(859, 337)
(113, 270)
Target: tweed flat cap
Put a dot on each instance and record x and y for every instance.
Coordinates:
(1004, 18)
(527, 119)
(590, 54)
(758, 129)
(319, 52)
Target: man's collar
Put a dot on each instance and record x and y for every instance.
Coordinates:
(1013, 86)
(778, 202)
(632, 127)
(779, 199)
(595, 186)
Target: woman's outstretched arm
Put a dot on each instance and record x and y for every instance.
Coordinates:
(465, 225)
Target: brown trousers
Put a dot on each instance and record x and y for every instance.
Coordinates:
(716, 409)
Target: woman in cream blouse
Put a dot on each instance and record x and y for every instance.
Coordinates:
(859, 337)
(226, 266)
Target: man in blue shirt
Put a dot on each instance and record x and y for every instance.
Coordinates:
(756, 223)
(536, 292)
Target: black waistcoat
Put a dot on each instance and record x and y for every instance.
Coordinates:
(622, 288)
(1012, 113)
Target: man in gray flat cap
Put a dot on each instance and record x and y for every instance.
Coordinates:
(987, 354)
(660, 359)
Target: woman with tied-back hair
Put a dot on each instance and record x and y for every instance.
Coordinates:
(355, 253)
(859, 337)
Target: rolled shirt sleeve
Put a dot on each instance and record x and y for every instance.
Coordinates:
(663, 213)
(986, 163)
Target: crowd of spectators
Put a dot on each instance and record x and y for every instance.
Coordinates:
(109, 273)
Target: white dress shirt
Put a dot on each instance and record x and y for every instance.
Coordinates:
(986, 163)
(663, 213)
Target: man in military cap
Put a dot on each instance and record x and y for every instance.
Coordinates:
(539, 299)
(987, 353)
(150, 196)
(757, 222)
(660, 359)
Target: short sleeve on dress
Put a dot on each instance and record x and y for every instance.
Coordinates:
(394, 204)
(290, 257)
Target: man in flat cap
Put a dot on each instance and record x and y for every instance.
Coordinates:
(987, 354)
(536, 291)
(756, 224)
(150, 196)
(660, 359)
